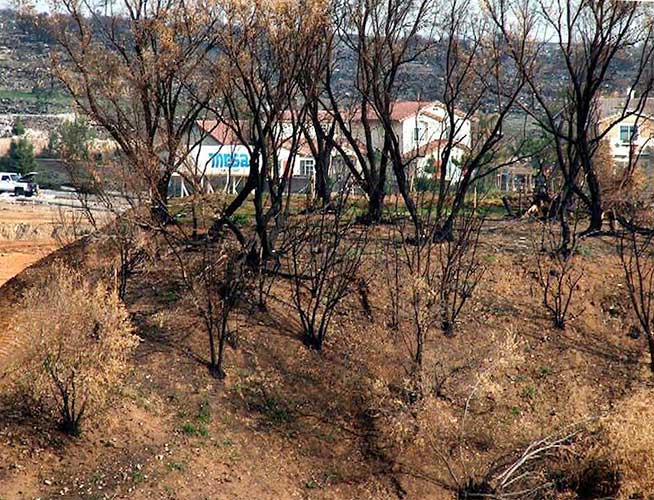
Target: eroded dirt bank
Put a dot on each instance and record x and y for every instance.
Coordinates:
(26, 235)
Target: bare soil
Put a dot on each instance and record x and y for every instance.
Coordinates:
(16, 255)
(289, 422)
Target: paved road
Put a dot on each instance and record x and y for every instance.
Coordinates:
(50, 197)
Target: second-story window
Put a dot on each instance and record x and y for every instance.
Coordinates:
(420, 131)
(307, 167)
(628, 133)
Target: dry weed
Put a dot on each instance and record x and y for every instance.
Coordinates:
(81, 338)
(628, 436)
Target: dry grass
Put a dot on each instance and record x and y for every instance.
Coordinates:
(341, 424)
(628, 441)
(80, 340)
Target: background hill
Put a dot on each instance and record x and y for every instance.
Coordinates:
(27, 87)
(25, 82)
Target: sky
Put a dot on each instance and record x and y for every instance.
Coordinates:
(41, 5)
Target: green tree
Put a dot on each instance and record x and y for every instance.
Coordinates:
(18, 128)
(72, 140)
(20, 157)
(536, 147)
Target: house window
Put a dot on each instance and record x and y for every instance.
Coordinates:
(307, 167)
(628, 133)
(419, 131)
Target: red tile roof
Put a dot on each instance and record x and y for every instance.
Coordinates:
(402, 110)
(219, 131)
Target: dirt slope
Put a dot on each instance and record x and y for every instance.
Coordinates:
(25, 238)
(292, 423)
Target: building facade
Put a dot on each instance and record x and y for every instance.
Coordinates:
(217, 155)
(629, 128)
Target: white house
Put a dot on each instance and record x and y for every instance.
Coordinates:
(217, 154)
(630, 138)
(422, 130)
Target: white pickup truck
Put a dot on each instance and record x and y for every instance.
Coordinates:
(19, 185)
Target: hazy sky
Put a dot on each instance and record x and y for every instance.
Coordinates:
(40, 4)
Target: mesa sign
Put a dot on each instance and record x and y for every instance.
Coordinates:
(222, 159)
(230, 160)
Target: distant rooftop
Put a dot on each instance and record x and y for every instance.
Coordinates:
(609, 106)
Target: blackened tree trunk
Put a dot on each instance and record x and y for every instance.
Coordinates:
(399, 169)
(211, 331)
(313, 341)
(217, 370)
(375, 212)
(321, 142)
(236, 203)
(595, 206)
(650, 343)
(159, 207)
(323, 185)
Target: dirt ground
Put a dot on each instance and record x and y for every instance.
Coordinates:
(17, 255)
(25, 236)
(292, 423)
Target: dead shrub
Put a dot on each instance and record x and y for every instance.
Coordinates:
(429, 283)
(81, 338)
(460, 269)
(218, 283)
(589, 477)
(628, 441)
(558, 272)
(69, 226)
(131, 247)
(324, 256)
(615, 460)
(636, 257)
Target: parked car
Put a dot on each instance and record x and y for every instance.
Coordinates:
(24, 185)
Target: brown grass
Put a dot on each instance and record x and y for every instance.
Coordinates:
(80, 341)
(627, 442)
(291, 422)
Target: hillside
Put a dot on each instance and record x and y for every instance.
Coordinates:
(27, 87)
(289, 422)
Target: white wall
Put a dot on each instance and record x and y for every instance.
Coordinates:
(376, 131)
(619, 149)
(214, 159)
(217, 159)
(453, 172)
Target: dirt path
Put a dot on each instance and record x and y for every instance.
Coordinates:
(25, 236)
